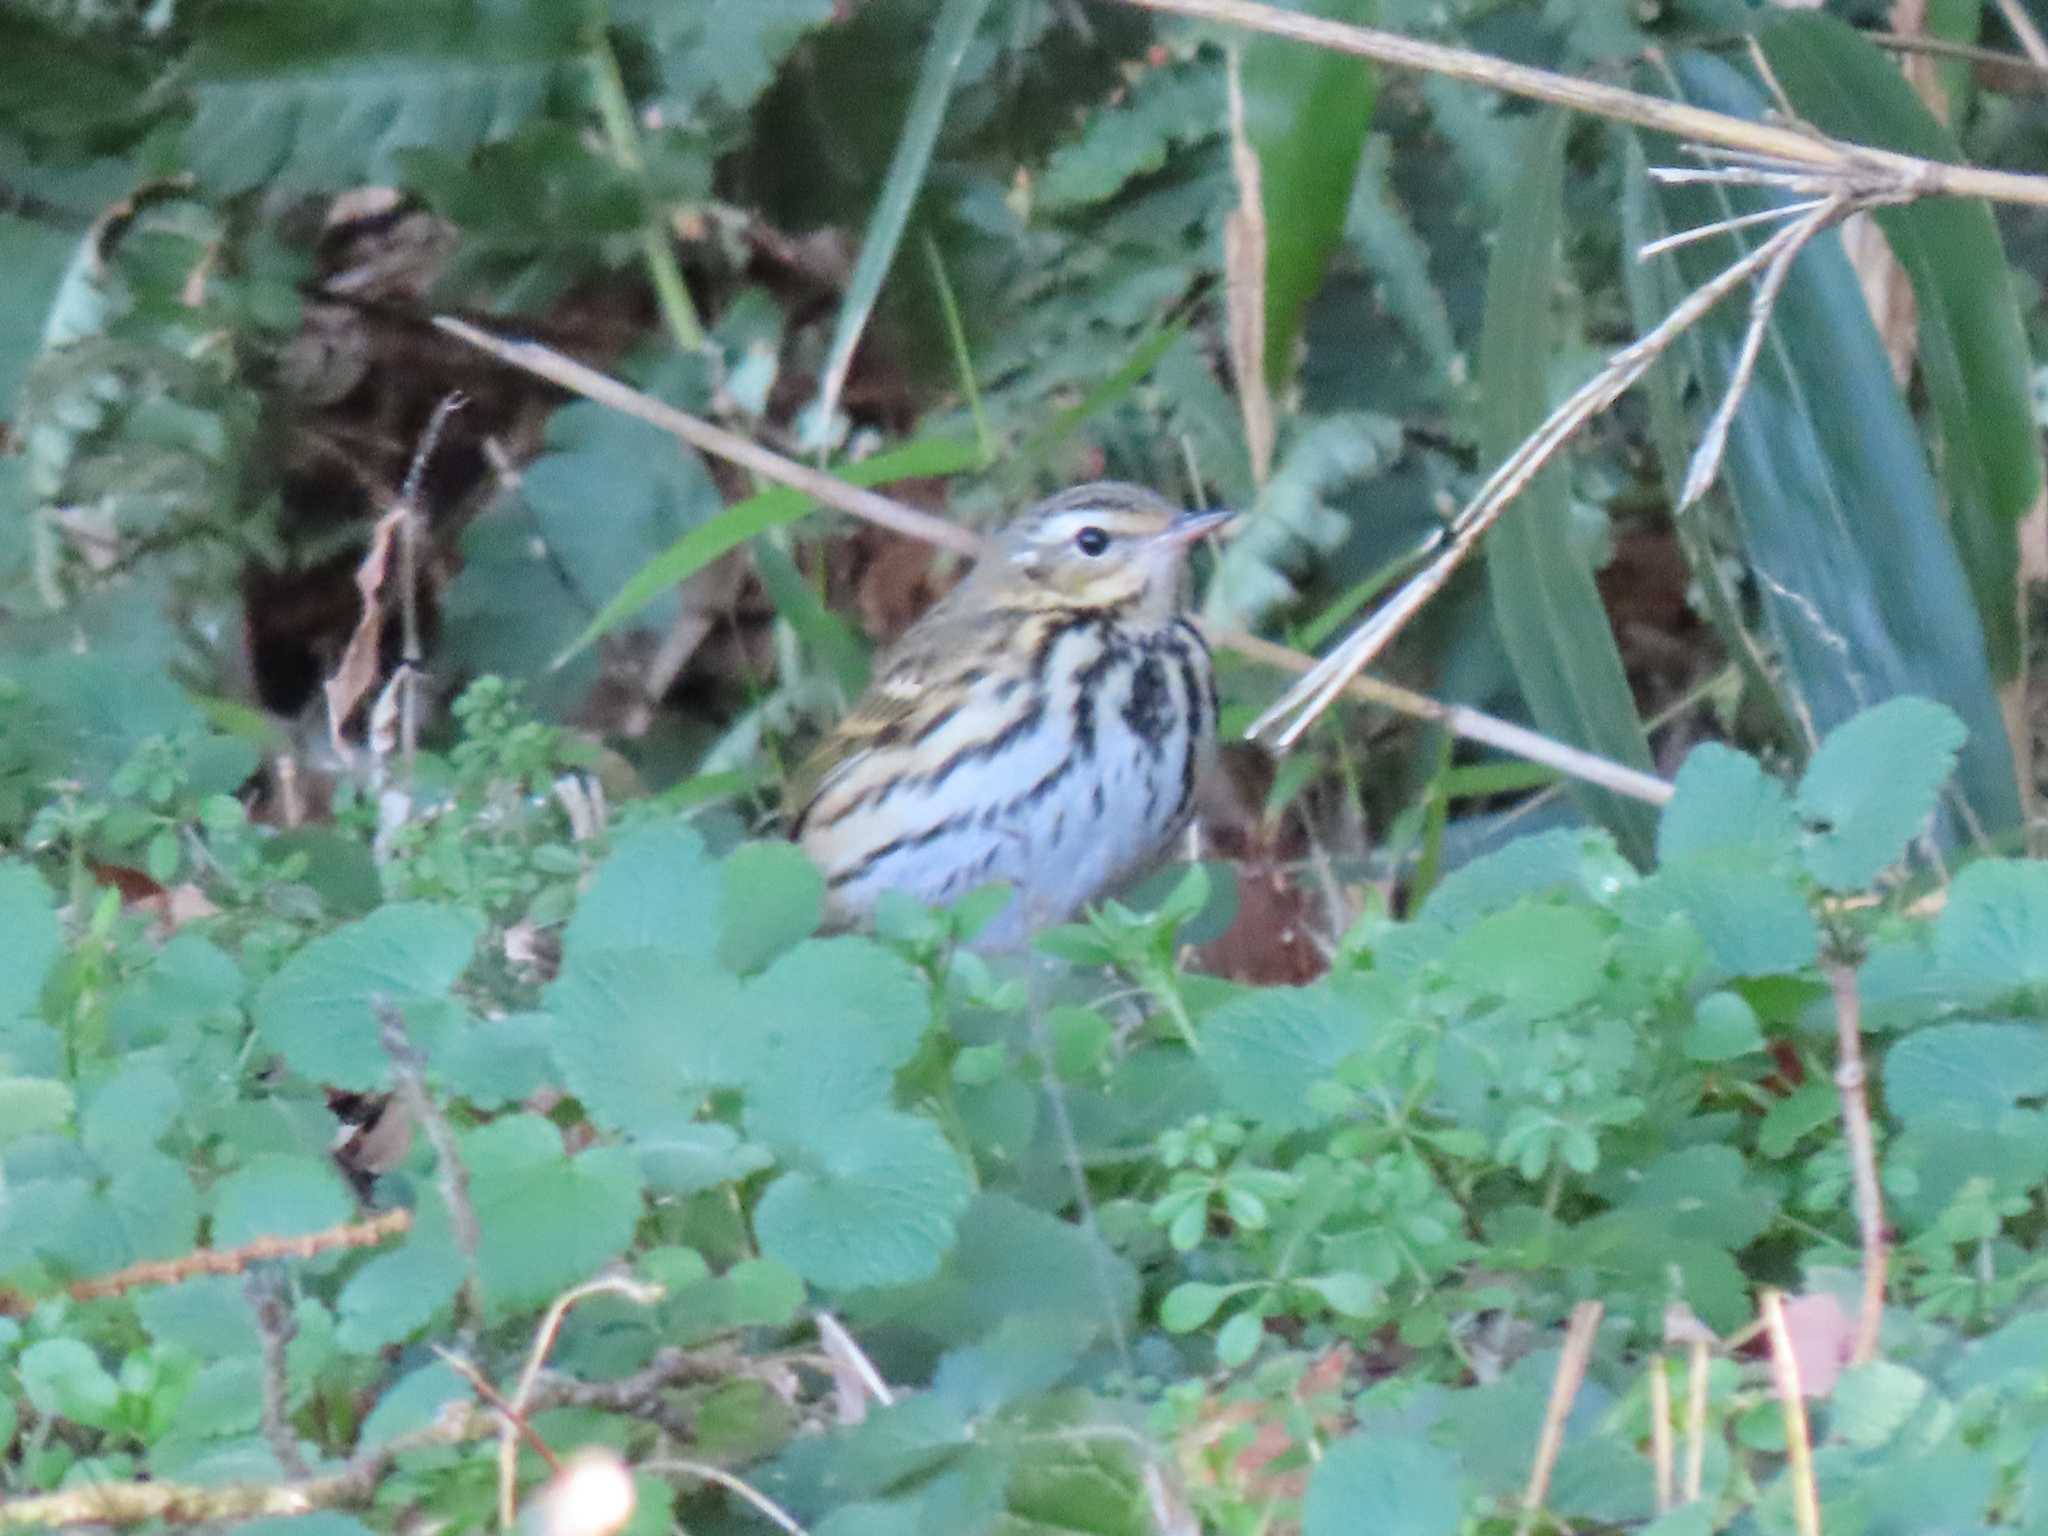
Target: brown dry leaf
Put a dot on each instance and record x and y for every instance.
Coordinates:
(357, 672)
(1247, 1476)
(1244, 267)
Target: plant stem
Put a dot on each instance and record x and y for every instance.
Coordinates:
(615, 111)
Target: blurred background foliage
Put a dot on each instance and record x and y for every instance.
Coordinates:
(994, 231)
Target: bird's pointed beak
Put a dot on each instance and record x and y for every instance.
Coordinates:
(1190, 526)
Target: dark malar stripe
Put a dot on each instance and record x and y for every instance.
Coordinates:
(1197, 684)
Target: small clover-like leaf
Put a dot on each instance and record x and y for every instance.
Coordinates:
(1871, 786)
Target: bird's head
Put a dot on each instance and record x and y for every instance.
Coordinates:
(1105, 545)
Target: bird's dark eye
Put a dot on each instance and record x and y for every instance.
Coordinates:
(1091, 541)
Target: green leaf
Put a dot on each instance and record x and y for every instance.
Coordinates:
(951, 32)
(874, 1205)
(1754, 921)
(1705, 1193)
(1973, 354)
(546, 1220)
(723, 54)
(1723, 799)
(1992, 935)
(1873, 1402)
(64, 1379)
(28, 916)
(311, 97)
(1549, 612)
(130, 1111)
(316, 1011)
(1384, 1484)
(1724, 1026)
(1132, 137)
(413, 1403)
(396, 1292)
(1836, 507)
(659, 889)
(623, 1035)
(497, 1062)
(1191, 1304)
(274, 1196)
(1305, 112)
(1966, 1071)
(1239, 1339)
(1266, 1049)
(774, 898)
(31, 1105)
(1859, 819)
(756, 515)
(1541, 960)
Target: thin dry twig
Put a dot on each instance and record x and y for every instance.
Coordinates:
(275, 1326)
(726, 1480)
(1564, 1391)
(1695, 1418)
(1792, 1403)
(830, 491)
(224, 1261)
(1851, 1080)
(410, 1075)
(2023, 28)
(1660, 1429)
(1924, 178)
(536, 1359)
(1244, 263)
(1302, 705)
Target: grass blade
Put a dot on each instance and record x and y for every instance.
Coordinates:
(950, 37)
(757, 514)
(1544, 599)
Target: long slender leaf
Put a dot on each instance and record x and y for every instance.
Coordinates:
(950, 37)
(1973, 350)
(1838, 512)
(1544, 599)
(757, 514)
(1306, 111)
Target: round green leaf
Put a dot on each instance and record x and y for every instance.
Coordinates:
(1724, 1026)
(1384, 1484)
(28, 916)
(1992, 936)
(774, 898)
(1266, 1049)
(1191, 1304)
(1872, 785)
(278, 1196)
(1238, 1340)
(1723, 799)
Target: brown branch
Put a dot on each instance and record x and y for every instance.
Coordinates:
(355, 1485)
(410, 1075)
(1564, 1391)
(1850, 1080)
(223, 1261)
(1925, 178)
(275, 1327)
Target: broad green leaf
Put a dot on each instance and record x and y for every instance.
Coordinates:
(413, 1402)
(1305, 112)
(207, 1314)
(1266, 1049)
(874, 1204)
(398, 1290)
(1384, 1484)
(1164, 109)
(1858, 818)
(28, 916)
(720, 54)
(311, 97)
(951, 32)
(64, 1379)
(659, 889)
(1836, 507)
(756, 515)
(1753, 920)
(1191, 1304)
(1723, 1027)
(626, 1026)
(1973, 355)
(546, 1220)
(774, 898)
(1723, 799)
(272, 1196)
(497, 1062)
(1992, 935)
(1873, 1402)
(1528, 866)
(1539, 960)
(30, 1105)
(1972, 1070)
(1704, 1193)
(130, 1110)
(316, 1011)
(1548, 609)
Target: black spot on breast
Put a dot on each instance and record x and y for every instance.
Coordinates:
(1148, 709)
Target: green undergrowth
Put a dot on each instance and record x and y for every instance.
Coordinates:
(1558, 1079)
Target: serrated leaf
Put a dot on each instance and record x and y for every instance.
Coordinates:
(545, 1220)
(1753, 921)
(1859, 819)
(875, 1204)
(1969, 1070)
(1384, 1484)
(1266, 1049)
(1992, 935)
(316, 1011)
(659, 889)
(272, 1196)
(1165, 108)
(719, 55)
(628, 1023)
(1541, 960)
(774, 898)
(28, 916)
(1723, 799)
